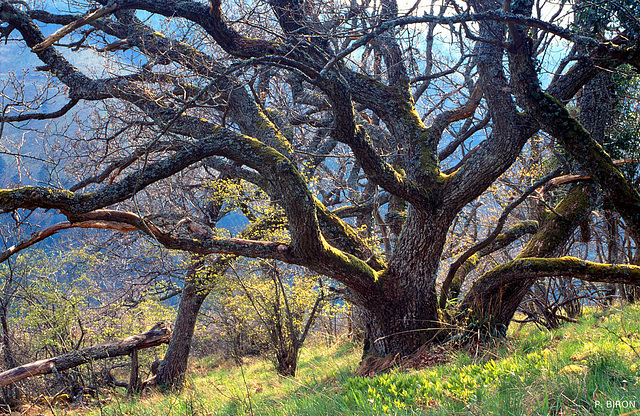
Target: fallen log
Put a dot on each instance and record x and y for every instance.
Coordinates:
(159, 334)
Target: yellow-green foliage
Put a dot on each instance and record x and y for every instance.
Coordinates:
(222, 388)
(239, 195)
(575, 370)
(227, 191)
(60, 304)
(250, 302)
(53, 292)
(389, 392)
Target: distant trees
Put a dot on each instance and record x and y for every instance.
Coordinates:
(363, 133)
(53, 305)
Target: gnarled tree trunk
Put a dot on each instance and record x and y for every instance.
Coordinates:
(230, 130)
(403, 314)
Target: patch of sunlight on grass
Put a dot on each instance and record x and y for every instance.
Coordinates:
(219, 387)
(578, 369)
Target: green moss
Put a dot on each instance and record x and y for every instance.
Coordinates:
(266, 153)
(554, 229)
(268, 125)
(473, 260)
(518, 229)
(352, 262)
(36, 194)
(429, 162)
(567, 266)
(343, 227)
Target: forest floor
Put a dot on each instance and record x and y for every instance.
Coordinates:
(588, 368)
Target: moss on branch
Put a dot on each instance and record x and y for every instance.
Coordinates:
(32, 197)
(534, 267)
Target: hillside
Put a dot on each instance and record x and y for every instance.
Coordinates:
(590, 368)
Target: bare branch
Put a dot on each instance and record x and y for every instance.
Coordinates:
(48, 232)
(40, 116)
(492, 236)
(65, 30)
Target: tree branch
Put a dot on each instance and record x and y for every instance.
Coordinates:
(535, 267)
(492, 236)
(555, 118)
(65, 30)
(48, 232)
(40, 116)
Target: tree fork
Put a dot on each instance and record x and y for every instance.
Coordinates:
(496, 301)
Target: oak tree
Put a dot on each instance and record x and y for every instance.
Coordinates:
(367, 128)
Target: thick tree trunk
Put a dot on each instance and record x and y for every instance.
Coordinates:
(157, 335)
(171, 373)
(403, 315)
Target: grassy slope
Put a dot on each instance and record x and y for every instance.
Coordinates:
(580, 369)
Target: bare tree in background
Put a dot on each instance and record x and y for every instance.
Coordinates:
(364, 129)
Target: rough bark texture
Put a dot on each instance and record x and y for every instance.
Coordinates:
(157, 335)
(229, 128)
(171, 372)
(493, 300)
(403, 314)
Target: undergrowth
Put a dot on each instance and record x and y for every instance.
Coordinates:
(589, 368)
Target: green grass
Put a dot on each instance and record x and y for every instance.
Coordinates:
(589, 368)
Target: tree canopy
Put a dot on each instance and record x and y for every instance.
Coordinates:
(349, 138)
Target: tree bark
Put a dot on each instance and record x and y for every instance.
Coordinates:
(403, 314)
(400, 302)
(9, 392)
(493, 301)
(171, 373)
(157, 335)
(134, 380)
